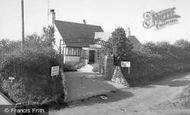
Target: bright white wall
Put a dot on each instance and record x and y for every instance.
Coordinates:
(57, 39)
(72, 59)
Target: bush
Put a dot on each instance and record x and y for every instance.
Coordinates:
(96, 67)
(156, 62)
(69, 68)
(31, 69)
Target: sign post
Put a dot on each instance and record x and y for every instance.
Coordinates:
(54, 71)
(126, 64)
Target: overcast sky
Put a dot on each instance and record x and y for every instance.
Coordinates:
(107, 13)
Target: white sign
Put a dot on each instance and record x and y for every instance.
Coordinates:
(126, 64)
(54, 70)
(11, 79)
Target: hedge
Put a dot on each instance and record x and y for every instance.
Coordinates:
(31, 69)
(146, 68)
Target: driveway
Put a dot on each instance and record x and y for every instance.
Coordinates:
(134, 101)
(86, 84)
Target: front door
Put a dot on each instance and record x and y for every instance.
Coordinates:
(91, 56)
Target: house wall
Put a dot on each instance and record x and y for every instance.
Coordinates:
(72, 59)
(57, 39)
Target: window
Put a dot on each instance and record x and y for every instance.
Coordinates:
(72, 51)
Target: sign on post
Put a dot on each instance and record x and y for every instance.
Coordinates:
(126, 64)
(54, 70)
(11, 79)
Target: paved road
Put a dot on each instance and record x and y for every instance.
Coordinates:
(134, 101)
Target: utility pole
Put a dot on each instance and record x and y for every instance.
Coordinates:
(22, 14)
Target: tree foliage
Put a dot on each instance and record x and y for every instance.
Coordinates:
(30, 68)
(45, 40)
(184, 44)
(122, 47)
(48, 36)
(8, 46)
(158, 59)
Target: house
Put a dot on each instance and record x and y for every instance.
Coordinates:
(73, 40)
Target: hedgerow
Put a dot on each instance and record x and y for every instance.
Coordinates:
(158, 61)
(31, 70)
(150, 62)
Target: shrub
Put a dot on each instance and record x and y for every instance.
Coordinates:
(122, 47)
(96, 67)
(156, 62)
(31, 69)
(69, 68)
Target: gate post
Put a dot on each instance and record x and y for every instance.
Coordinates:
(109, 67)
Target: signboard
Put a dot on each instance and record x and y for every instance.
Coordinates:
(54, 70)
(11, 79)
(126, 64)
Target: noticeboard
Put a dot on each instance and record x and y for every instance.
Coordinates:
(54, 70)
(126, 64)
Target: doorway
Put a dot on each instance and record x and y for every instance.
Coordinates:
(91, 57)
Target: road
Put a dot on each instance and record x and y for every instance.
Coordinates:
(134, 101)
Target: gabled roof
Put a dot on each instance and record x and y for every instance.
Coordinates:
(77, 34)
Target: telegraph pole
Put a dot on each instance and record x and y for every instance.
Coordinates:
(22, 14)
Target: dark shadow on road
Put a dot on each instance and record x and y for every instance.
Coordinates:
(112, 96)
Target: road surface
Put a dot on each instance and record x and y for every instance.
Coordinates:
(134, 101)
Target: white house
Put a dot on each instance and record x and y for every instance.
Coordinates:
(76, 41)
(73, 40)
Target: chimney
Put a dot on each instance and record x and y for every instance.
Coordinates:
(52, 12)
(84, 21)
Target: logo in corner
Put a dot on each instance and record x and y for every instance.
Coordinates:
(160, 19)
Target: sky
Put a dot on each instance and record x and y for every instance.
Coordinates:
(109, 14)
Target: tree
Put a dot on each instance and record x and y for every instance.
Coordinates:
(184, 44)
(122, 47)
(8, 46)
(149, 46)
(45, 40)
(48, 36)
(34, 40)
